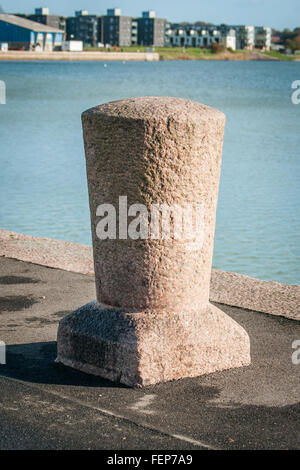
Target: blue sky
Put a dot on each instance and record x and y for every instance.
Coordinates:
(276, 13)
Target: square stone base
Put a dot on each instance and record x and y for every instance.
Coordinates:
(139, 349)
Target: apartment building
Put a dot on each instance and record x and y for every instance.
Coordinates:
(151, 30)
(83, 27)
(187, 35)
(250, 37)
(118, 30)
(43, 16)
(244, 35)
(263, 38)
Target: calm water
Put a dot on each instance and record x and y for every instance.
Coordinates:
(43, 183)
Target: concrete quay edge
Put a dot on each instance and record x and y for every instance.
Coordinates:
(226, 288)
(82, 56)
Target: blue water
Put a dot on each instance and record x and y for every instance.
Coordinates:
(43, 187)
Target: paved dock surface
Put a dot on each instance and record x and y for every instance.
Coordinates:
(48, 406)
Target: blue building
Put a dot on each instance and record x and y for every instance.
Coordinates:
(24, 34)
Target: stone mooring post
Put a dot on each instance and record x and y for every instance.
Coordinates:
(153, 167)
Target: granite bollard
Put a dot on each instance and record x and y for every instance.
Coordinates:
(153, 168)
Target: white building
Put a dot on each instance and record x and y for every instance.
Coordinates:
(263, 38)
(245, 36)
(72, 46)
(250, 37)
(229, 39)
(199, 36)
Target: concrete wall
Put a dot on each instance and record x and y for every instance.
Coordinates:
(104, 56)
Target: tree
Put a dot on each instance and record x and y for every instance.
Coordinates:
(293, 44)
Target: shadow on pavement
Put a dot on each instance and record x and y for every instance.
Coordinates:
(34, 362)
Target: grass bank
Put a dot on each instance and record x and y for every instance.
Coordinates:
(193, 53)
(279, 56)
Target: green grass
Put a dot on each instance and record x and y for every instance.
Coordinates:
(278, 55)
(165, 53)
(189, 53)
(123, 49)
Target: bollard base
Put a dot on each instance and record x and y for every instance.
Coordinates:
(140, 349)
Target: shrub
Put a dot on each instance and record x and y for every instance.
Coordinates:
(216, 48)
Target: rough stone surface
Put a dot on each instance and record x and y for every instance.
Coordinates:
(154, 151)
(47, 252)
(140, 349)
(226, 288)
(261, 296)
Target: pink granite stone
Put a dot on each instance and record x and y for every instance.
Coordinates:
(153, 151)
